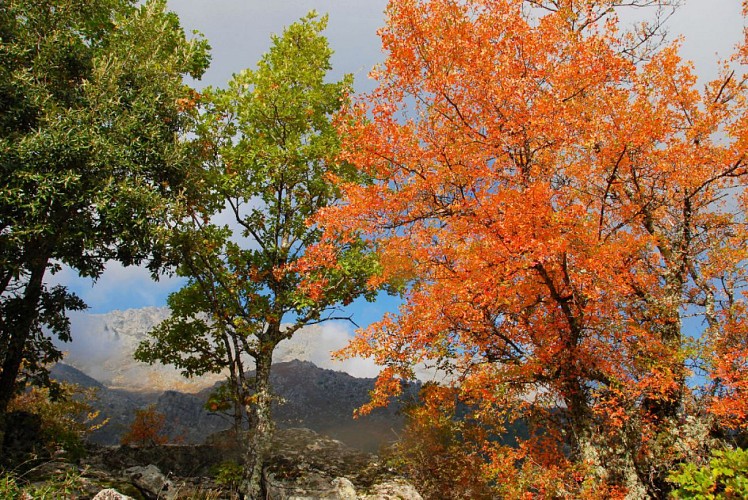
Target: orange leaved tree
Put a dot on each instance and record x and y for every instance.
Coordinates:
(558, 195)
(147, 429)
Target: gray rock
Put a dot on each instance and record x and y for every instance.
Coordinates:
(309, 486)
(302, 465)
(152, 482)
(344, 488)
(111, 494)
(305, 465)
(393, 489)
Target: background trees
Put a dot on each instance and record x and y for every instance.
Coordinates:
(268, 147)
(560, 197)
(90, 157)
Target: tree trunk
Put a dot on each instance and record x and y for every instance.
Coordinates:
(664, 408)
(579, 418)
(261, 427)
(20, 327)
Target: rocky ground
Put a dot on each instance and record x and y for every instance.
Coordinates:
(303, 465)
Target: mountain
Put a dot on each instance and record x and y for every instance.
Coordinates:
(315, 392)
(116, 405)
(324, 401)
(319, 399)
(103, 347)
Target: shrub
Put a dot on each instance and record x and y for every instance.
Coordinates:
(725, 476)
(229, 474)
(441, 452)
(67, 417)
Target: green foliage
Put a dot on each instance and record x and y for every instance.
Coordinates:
(92, 156)
(725, 476)
(268, 147)
(221, 399)
(67, 416)
(8, 486)
(228, 474)
(66, 483)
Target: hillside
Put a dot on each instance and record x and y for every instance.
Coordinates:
(315, 398)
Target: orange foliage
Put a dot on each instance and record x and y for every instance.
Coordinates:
(441, 453)
(731, 370)
(558, 200)
(147, 429)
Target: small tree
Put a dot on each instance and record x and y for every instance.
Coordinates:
(435, 449)
(147, 429)
(269, 151)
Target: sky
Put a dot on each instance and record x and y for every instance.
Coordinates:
(239, 32)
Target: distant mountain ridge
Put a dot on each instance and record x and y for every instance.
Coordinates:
(319, 399)
(316, 394)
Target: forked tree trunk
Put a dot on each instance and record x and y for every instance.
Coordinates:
(261, 428)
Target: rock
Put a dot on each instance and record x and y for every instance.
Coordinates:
(23, 438)
(392, 489)
(304, 465)
(111, 494)
(344, 488)
(152, 482)
(309, 486)
(172, 460)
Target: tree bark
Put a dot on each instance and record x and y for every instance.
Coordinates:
(261, 427)
(20, 327)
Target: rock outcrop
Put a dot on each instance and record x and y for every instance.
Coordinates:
(303, 465)
(307, 465)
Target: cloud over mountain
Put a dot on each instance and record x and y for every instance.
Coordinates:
(103, 345)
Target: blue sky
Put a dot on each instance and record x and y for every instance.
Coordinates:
(239, 32)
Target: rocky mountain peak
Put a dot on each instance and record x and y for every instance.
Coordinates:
(103, 346)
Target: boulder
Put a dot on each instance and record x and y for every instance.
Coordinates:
(151, 482)
(111, 494)
(310, 486)
(392, 489)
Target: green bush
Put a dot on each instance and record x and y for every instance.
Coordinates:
(726, 476)
(229, 474)
(67, 484)
(8, 486)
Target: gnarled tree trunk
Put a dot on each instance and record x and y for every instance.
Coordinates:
(261, 427)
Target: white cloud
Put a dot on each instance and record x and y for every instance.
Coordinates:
(317, 343)
(118, 287)
(103, 345)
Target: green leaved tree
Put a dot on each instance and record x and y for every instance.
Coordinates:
(91, 116)
(268, 149)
